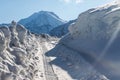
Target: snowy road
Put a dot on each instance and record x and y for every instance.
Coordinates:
(49, 72)
(98, 65)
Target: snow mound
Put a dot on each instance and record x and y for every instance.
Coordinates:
(96, 37)
(20, 54)
(96, 33)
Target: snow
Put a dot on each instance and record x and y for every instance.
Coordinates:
(90, 51)
(20, 56)
(96, 33)
(42, 22)
(69, 65)
(29, 56)
(114, 4)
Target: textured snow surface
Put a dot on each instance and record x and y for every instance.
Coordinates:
(90, 51)
(20, 54)
(69, 65)
(97, 33)
(26, 56)
(42, 22)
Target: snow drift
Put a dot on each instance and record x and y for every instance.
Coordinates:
(20, 54)
(96, 37)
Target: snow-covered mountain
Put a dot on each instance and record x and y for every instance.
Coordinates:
(95, 36)
(42, 22)
(61, 30)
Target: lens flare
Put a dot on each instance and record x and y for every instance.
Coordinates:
(114, 36)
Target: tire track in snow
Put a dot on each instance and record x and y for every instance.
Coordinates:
(49, 72)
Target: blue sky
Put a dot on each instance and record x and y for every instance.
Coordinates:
(65, 9)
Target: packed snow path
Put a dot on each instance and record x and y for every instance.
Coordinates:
(49, 72)
(98, 65)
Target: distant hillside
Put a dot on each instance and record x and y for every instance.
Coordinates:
(61, 30)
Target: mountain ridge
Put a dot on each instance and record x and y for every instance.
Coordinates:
(42, 22)
(61, 30)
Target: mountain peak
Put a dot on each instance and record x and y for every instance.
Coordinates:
(42, 22)
(48, 13)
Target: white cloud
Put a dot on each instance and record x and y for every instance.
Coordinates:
(74, 1)
(67, 1)
(78, 1)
